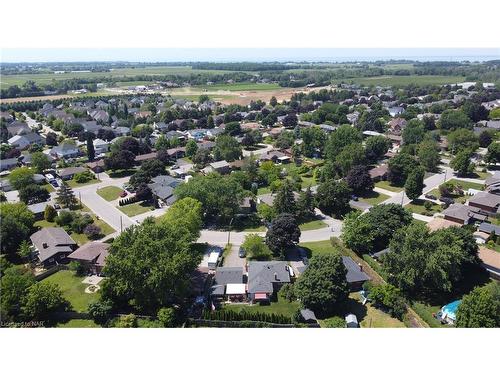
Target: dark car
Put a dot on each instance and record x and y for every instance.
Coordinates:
(430, 196)
(446, 200)
(54, 183)
(242, 253)
(354, 197)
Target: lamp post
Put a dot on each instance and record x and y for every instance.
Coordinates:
(229, 231)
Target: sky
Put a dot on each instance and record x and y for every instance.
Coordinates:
(244, 54)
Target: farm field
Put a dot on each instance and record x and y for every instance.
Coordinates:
(404, 80)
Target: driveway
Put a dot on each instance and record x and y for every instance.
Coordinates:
(359, 205)
(233, 260)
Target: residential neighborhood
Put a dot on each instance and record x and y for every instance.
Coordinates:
(298, 212)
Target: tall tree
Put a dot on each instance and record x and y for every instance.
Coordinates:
(480, 308)
(40, 162)
(283, 233)
(415, 183)
(305, 204)
(284, 202)
(90, 147)
(359, 180)
(66, 197)
(333, 197)
(17, 225)
(428, 155)
(462, 164)
(323, 286)
(43, 300)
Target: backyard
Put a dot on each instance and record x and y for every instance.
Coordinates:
(73, 289)
(281, 307)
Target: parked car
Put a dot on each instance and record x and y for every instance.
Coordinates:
(447, 200)
(354, 197)
(430, 196)
(54, 183)
(242, 253)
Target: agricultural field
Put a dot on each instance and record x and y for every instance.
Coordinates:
(404, 80)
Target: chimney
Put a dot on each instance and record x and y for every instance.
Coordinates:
(44, 245)
(360, 267)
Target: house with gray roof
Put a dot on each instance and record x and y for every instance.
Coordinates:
(23, 141)
(265, 279)
(52, 246)
(225, 276)
(17, 127)
(462, 214)
(162, 187)
(68, 173)
(355, 274)
(486, 202)
(65, 150)
(8, 164)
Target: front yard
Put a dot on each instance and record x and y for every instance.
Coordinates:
(110, 193)
(373, 198)
(313, 224)
(319, 247)
(417, 207)
(135, 209)
(387, 186)
(73, 289)
(465, 185)
(72, 183)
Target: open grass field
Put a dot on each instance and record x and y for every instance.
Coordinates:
(45, 78)
(417, 207)
(135, 209)
(404, 80)
(73, 289)
(319, 247)
(110, 193)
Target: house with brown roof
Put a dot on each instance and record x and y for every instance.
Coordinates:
(462, 214)
(485, 201)
(396, 125)
(52, 246)
(379, 173)
(92, 256)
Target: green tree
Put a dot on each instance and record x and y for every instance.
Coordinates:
(313, 141)
(284, 202)
(17, 225)
(399, 167)
(305, 204)
(32, 193)
(376, 147)
(415, 183)
(256, 247)
(462, 139)
(332, 198)
(358, 179)
(49, 213)
(185, 213)
(273, 102)
(428, 155)
(462, 164)
(42, 301)
(323, 285)
(269, 172)
(191, 148)
(340, 138)
(20, 177)
(493, 154)
(413, 132)
(283, 233)
(227, 148)
(149, 267)
(420, 261)
(352, 155)
(66, 197)
(100, 311)
(480, 308)
(40, 162)
(495, 114)
(90, 147)
(372, 231)
(162, 143)
(452, 119)
(15, 283)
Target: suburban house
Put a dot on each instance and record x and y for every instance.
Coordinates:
(68, 173)
(17, 128)
(355, 275)
(8, 164)
(396, 125)
(162, 187)
(395, 111)
(23, 141)
(38, 209)
(92, 256)
(65, 151)
(486, 202)
(229, 283)
(176, 153)
(96, 166)
(145, 157)
(197, 134)
(276, 157)
(101, 146)
(379, 173)
(266, 278)
(52, 245)
(221, 167)
(462, 214)
(91, 126)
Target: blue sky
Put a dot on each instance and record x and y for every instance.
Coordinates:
(244, 54)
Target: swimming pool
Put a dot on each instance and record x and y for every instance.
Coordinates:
(450, 310)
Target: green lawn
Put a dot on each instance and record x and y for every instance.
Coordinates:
(387, 186)
(136, 208)
(313, 224)
(78, 323)
(44, 224)
(465, 186)
(389, 80)
(417, 206)
(73, 289)
(281, 307)
(373, 198)
(263, 190)
(319, 247)
(121, 173)
(72, 183)
(48, 187)
(110, 193)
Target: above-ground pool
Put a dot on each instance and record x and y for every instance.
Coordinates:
(449, 312)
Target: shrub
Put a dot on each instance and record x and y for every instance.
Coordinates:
(83, 177)
(390, 297)
(64, 218)
(334, 322)
(80, 222)
(167, 316)
(50, 213)
(77, 268)
(92, 231)
(286, 292)
(100, 311)
(127, 321)
(428, 205)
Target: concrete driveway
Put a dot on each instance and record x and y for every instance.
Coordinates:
(233, 260)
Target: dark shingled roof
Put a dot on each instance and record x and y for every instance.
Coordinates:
(354, 273)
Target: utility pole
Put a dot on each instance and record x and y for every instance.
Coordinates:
(229, 231)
